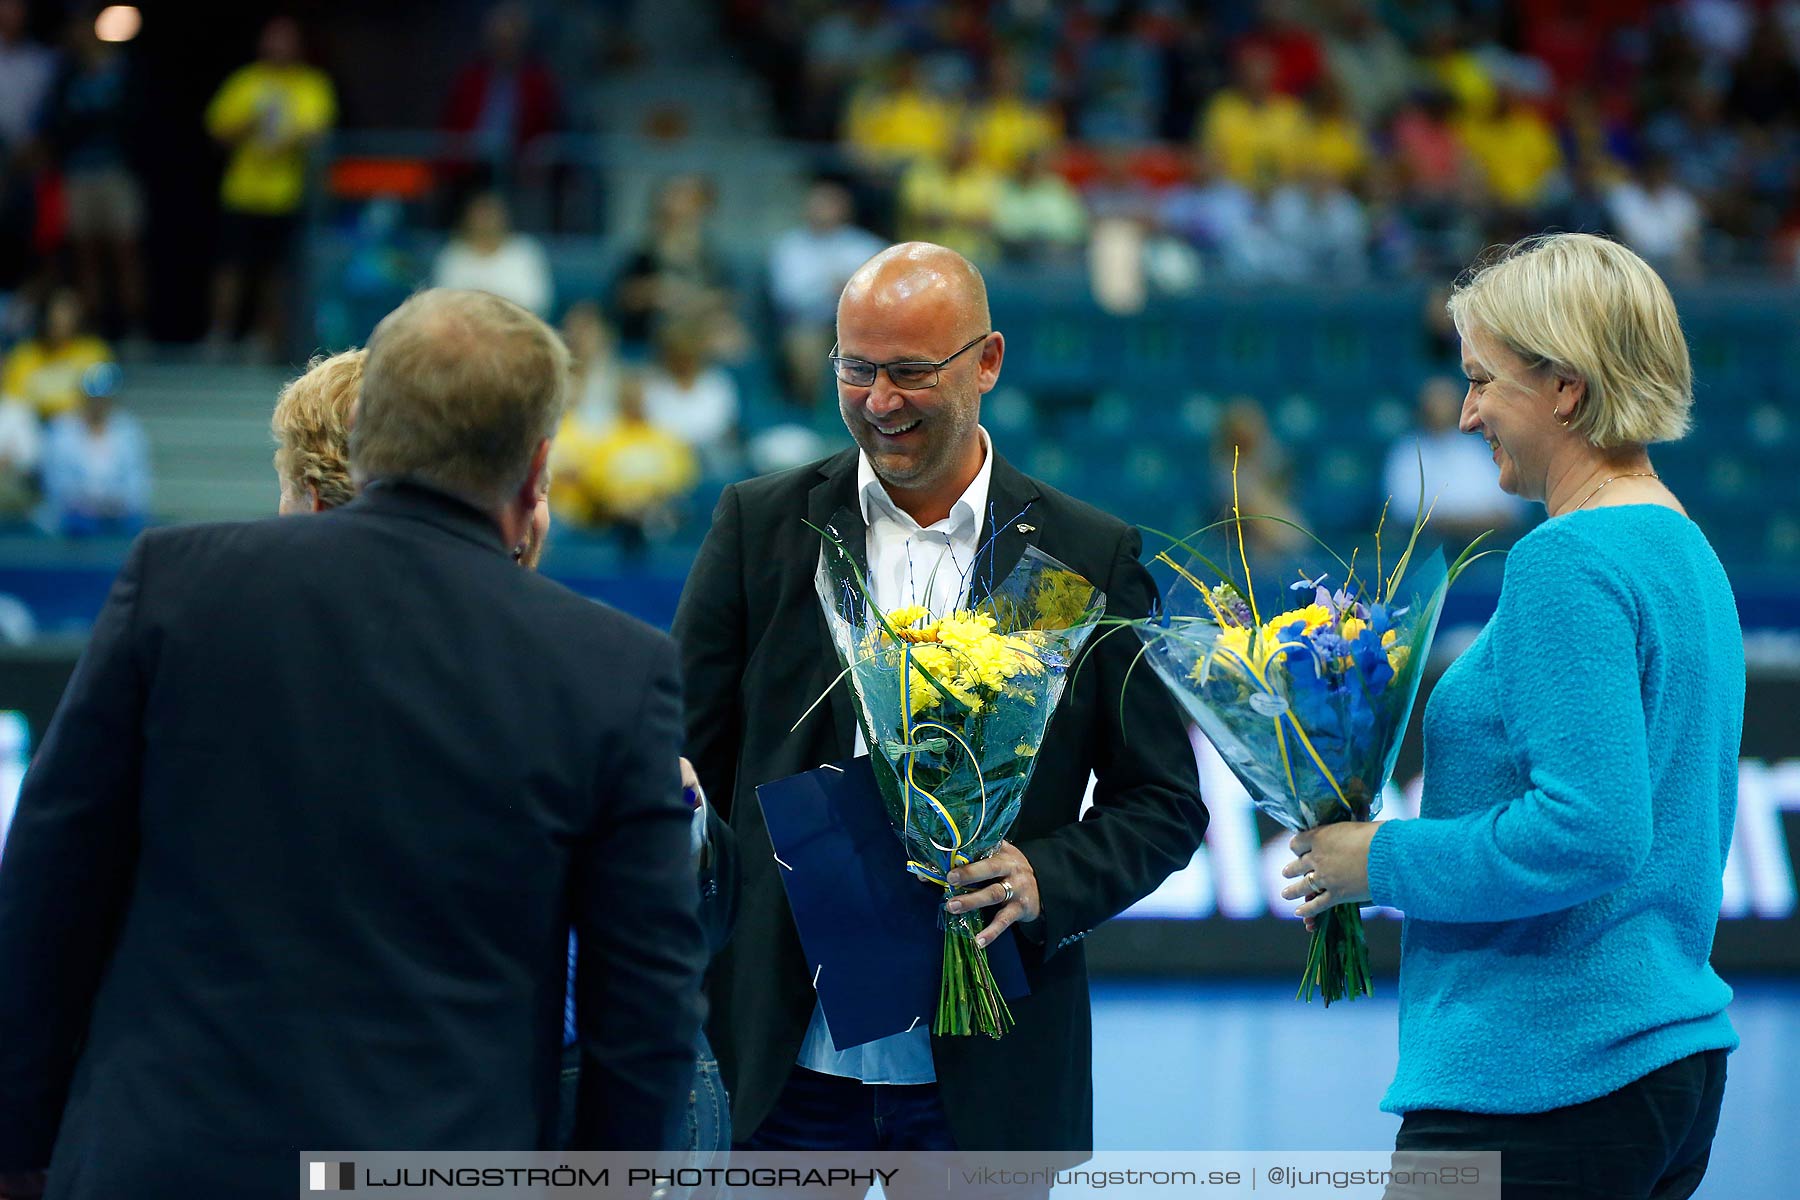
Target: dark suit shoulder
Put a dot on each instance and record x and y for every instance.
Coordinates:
(603, 621)
(781, 491)
(1074, 514)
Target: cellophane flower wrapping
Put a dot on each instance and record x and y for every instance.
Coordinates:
(953, 708)
(1307, 706)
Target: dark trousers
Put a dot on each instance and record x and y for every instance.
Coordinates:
(707, 1131)
(830, 1112)
(1650, 1140)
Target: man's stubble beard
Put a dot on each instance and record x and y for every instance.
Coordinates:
(956, 428)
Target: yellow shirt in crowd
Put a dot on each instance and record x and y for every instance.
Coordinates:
(1255, 143)
(277, 111)
(1007, 131)
(49, 378)
(889, 126)
(953, 208)
(1336, 146)
(1518, 152)
(622, 470)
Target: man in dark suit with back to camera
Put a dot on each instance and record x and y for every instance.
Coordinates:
(297, 862)
(916, 352)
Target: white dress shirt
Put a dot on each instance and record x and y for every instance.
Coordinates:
(908, 564)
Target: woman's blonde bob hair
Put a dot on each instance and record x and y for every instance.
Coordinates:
(312, 428)
(1587, 308)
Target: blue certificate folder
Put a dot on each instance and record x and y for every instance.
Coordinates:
(869, 928)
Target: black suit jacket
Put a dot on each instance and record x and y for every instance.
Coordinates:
(297, 861)
(755, 653)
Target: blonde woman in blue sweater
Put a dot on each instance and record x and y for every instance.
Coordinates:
(1562, 883)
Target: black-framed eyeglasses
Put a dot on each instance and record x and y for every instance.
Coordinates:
(907, 376)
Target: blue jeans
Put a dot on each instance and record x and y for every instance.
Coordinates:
(1650, 1140)
(708, 1124)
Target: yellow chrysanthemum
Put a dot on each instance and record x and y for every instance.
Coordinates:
(1313, 616)
(907, 615)
(1398, 656)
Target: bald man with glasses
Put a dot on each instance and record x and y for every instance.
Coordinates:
(917, 350)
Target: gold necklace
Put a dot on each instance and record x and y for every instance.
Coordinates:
(1609, 479)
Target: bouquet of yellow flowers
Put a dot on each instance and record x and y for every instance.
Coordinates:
(953, 709)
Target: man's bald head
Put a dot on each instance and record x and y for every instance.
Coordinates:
(920, 275)
(919, 303)
(459, 388)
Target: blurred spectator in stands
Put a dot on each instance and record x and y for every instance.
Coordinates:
(505, 98)
(593, 408)
(839, 48)
(1394, 239)
(1654, 215)
(594, 398)
(1440, 343)
(1440, 190)
(1694, 135)
(1320, 227)
(26, 72)
(1211, 213)
(89, 123)
(1009, 127)
(1581, 205)
(675, 273)
(1245, 450)
(269, 114)
(1515, 149)
(1368, 61)
(1456, 68)
(45, 372)
(1195, 64)
(1765, 83)
(1294, 50)
(1719, 30)
(899, 119)
(1116, 193)
(487, 256)
(951, 202)
(808, 268)
(1038, 216)
(1462, 488)
(1335, 143)
(1253, 132)
(690, 397)
(21, 443)
(96, 465)
(1430, 155)
(637, 473)
(311, 424)
(1593, 129)
(1119, 77)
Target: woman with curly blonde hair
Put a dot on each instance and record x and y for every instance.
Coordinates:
(312, 433)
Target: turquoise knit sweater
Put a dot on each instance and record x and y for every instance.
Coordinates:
(1562, 883)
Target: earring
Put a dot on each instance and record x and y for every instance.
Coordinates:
(1560, 419)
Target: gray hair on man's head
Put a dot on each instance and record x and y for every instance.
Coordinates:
(1589, 309)
(458, 390)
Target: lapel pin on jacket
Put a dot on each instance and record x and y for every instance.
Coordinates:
(1024, 528)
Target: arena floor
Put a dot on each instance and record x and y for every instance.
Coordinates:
(1243, 1066)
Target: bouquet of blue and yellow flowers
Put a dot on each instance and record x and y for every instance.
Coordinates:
(1307, 705)
(953, 708)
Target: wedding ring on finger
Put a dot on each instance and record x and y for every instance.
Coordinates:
(1312, 883)
(1007, 888)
